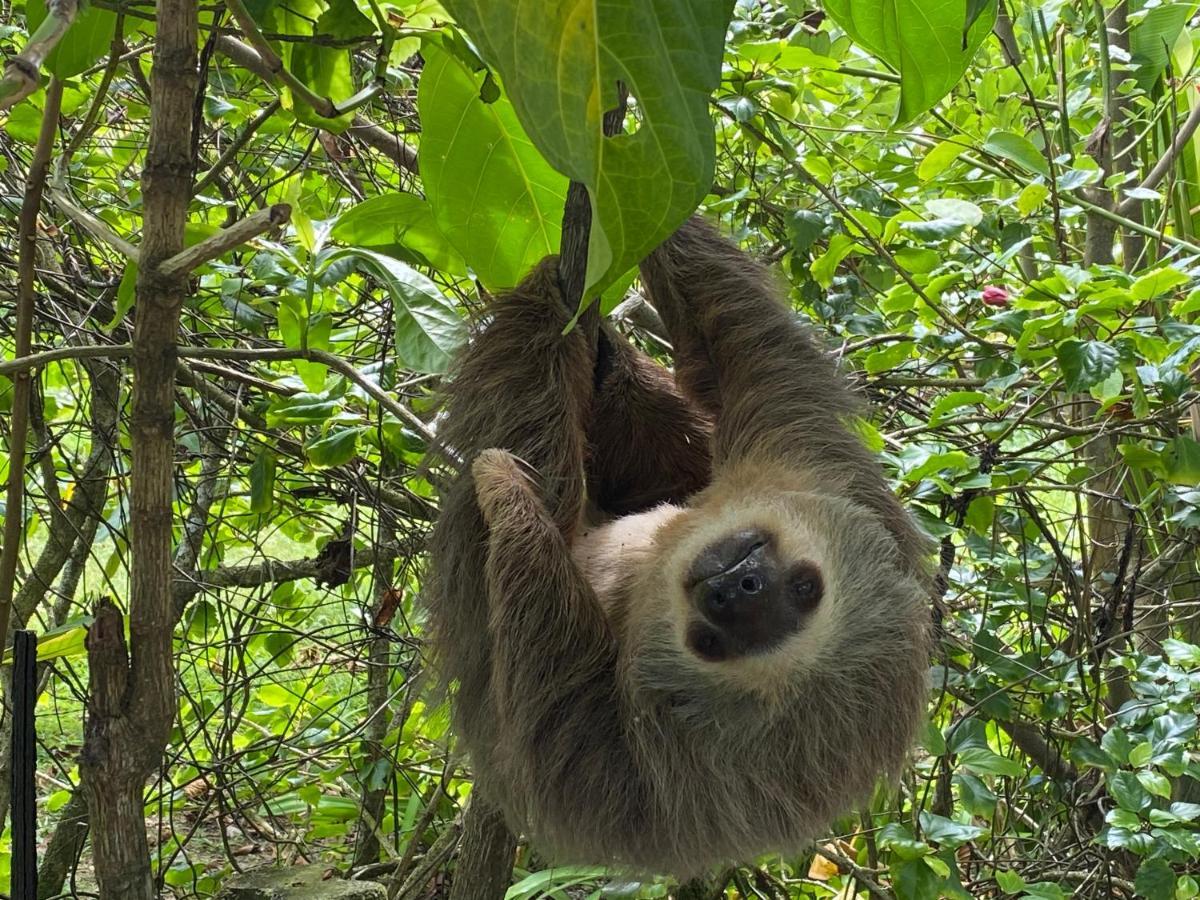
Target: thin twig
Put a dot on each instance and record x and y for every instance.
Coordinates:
(22, 393)
(861, 875)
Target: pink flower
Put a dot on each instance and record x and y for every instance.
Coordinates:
(994, 295)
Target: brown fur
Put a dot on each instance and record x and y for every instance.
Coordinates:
(587, 718)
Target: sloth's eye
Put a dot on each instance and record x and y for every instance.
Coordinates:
(807, 587)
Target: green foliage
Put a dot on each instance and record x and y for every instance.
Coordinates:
(1031, 377)
(493, 195)
(400, 225)
(86, 41)
(929, 42)
(562, 76)
(428, 330)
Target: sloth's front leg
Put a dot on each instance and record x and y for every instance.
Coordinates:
(779, 394)
(782, 401)
(648, 444)
(553, 655)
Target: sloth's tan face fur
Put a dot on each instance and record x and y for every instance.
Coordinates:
(748, 590)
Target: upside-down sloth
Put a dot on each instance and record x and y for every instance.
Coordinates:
(686, 616)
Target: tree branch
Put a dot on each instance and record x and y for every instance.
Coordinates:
(14, 520)
(93, 225)
(22, 72)
(269, 572)
(1131, 205)
(278, 74)
(379, 138)
(225, 240)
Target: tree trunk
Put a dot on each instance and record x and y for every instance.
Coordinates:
(485, 855)
(131, 703)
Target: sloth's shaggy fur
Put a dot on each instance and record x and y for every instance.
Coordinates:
(558, 593)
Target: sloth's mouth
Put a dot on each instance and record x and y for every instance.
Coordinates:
(706, 643)
(724, 555)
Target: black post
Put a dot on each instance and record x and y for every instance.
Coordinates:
(24, 765)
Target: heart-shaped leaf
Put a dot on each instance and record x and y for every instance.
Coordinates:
(561, 77)
(494, 197)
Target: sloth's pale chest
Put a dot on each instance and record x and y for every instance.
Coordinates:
(608, 554)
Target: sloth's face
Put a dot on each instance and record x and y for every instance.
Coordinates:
(747, 590)
(761, 588)
(748, 594)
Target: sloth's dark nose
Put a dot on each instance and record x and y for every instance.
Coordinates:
(724, 554)
(746, 580)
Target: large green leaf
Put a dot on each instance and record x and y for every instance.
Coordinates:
(88, 38)
(334, 449)
(428, 329)
(1151, 39)
(400, 225)
(1085, 363)
(1018, 149)
(493, 195)
(560, 63)
(929, 42)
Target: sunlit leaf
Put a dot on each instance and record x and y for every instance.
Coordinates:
(562, 76)
(493, 195)
(262, 482)
(1152, 284)
(926, 41)
(939, 159)
(400, 225)
(1153, 35)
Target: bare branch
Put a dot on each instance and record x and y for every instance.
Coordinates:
(95, 226)
(21, 72)
(254, 575)
(22, 392)
(379, 138)
(336, 363)
(1130, 205)
(225, 240)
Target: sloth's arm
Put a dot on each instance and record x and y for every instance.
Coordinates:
(649, 445)
(524, 387)
(553, 656)
(777, 396)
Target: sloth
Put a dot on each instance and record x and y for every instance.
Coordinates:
(684, 618)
